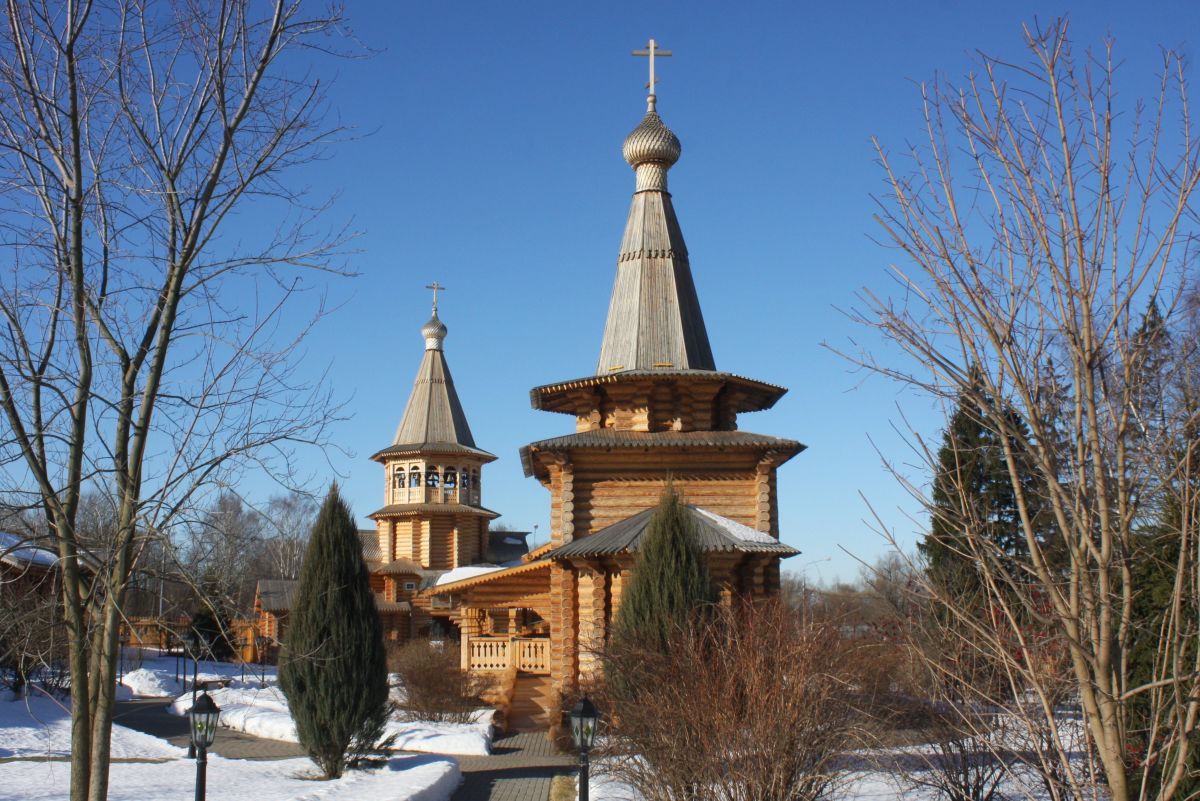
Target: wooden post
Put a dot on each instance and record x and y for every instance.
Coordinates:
(469, 623)
(563, 627)
(592, 592)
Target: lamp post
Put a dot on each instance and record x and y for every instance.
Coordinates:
(203, 717)
(583, 729)
(189, 643)
(260, 648)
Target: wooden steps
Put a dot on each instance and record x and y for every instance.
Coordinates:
(531, 703)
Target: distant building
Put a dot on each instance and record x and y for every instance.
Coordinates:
(27, 565)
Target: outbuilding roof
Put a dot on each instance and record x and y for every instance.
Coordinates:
(276, 595)
(713, 533)
(22, 552)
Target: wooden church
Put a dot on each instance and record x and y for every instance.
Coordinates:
(656, 409)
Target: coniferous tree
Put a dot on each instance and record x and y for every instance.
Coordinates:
(333, 667)
(670, 579)
(973, 489)
(1165, 379)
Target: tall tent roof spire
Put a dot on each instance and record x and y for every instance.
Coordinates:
(434, 416)
(654, 318)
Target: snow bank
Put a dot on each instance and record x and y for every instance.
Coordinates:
(404, 778)
(41, 726)
(152, 683)
(264, 712)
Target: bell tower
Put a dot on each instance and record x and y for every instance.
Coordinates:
(433, 516)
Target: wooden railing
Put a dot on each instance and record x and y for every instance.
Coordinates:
(533, 656)
(497, 654)
(434, 495)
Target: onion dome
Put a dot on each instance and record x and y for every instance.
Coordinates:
(434, 332)
(652, 142)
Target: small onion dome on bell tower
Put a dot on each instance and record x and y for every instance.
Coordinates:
(651, 149)
(434, 332)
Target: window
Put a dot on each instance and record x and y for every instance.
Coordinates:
(414, 477)
(466, 479)
(432, 479)
(451, 478)
(398, 478)
(410, 586)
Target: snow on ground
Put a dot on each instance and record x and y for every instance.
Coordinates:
(263, 712)
(39, 726)
(404, 778)
(153, 676)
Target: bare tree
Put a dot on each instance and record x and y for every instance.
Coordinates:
(143, 350)
(289, 520)
(781, 708)
(1037, 221)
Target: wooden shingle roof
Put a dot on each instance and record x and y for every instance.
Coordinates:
(433, 418)
(712, 532)
(406, 509)
(276, 595)
(611, 438)
(654, 317)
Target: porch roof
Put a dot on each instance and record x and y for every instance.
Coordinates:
(712, 531)
(392, 606)
(467, 583)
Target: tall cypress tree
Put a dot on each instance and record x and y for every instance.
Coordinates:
(670, 579)
(333, 667)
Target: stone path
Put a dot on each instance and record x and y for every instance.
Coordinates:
(521, 767)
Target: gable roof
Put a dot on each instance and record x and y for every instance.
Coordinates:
(713, 533)
(276, 595)
(23, 552)
(506, 546)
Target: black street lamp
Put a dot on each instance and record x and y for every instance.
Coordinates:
(583, 729)
(203, 717)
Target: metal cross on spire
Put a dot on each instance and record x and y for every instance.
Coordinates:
(435, 286)
(652, 51)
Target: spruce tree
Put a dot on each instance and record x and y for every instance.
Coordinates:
(670, 579)
(974, 489)
(333, 666)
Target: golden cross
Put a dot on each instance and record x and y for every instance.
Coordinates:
(652, 51)
(435, 286)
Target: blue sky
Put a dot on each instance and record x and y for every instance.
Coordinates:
(487, 157)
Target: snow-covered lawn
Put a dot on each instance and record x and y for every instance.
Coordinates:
(35, 728)
(263, 712)
(152, 676)
(404, 778)
(39, 726)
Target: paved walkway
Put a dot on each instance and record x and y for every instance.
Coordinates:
(149, 715)
(521, 767)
